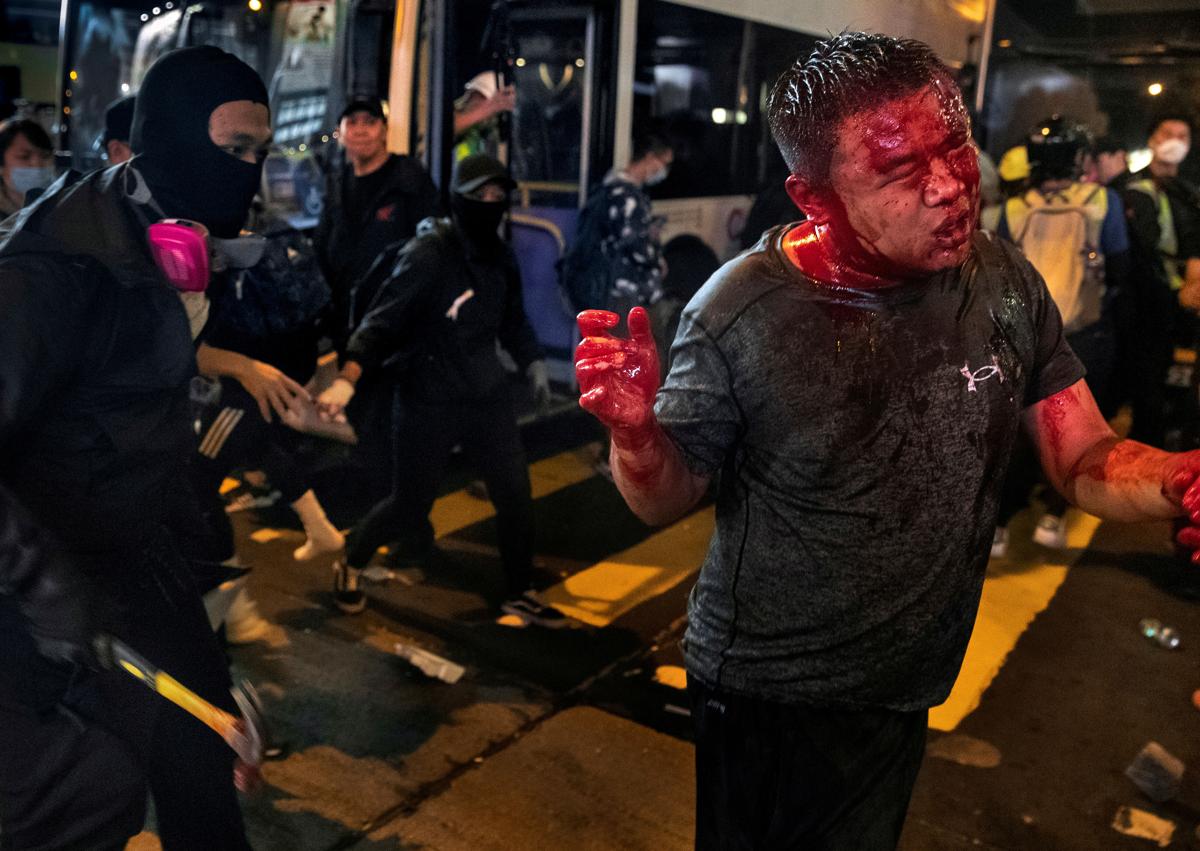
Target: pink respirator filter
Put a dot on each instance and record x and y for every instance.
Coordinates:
(180, 249)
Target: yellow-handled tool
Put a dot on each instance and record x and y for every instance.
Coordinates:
(245, 735)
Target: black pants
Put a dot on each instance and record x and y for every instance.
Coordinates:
(777, 777)
(424, 436)
(78, 748)
(232, 436)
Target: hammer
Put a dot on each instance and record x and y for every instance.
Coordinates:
(245, 735)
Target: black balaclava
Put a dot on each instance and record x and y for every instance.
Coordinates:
(479, 220)
(189, 176)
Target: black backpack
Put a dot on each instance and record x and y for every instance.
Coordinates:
(584, 272)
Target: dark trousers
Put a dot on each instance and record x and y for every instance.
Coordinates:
(232, 436)
(424, 436)
(776, 776)
(79, 749)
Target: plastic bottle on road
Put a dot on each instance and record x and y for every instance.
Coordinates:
(1162, 635)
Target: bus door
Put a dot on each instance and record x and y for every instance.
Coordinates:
(553, 52)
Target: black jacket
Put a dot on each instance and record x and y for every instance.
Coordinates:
(430, 313)
(95, 360)
(346, 249)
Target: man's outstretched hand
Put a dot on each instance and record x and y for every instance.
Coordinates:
(1183, 487)
(618, 378)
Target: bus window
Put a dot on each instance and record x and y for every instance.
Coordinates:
(708, 76)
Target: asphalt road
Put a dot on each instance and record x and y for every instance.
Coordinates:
(578, 738)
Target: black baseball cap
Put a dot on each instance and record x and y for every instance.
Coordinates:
(374, 106)
(474, 171)
(118, 120)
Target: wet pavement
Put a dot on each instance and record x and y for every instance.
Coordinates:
(578, 738)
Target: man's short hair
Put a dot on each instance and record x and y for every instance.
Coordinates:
(1170, 115)
(27, 127)
(843, 75)
(1108, 145)
(651, 138)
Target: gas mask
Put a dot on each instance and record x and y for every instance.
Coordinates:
(180, 250)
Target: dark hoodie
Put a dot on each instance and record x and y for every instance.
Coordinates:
(95, 359)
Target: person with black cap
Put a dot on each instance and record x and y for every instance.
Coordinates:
(439, 305)
(118, 129)
(96, 358)
(376, 199)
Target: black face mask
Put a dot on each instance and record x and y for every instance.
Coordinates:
(479, 220)
(189, 176)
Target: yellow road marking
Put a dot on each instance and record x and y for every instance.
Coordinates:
(671, 675)
(459, 510)
(1012, 598)
(228, 484)
(603, 592)
(267, 534)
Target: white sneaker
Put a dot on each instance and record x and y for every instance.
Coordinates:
(1000, 542)
(1051, 532)
(243, 623)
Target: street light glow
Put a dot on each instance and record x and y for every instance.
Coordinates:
(255, 5)
(1155, 89)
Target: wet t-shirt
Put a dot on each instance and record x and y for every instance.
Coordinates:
(859, 442)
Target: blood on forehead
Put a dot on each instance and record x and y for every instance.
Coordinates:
(916, 125)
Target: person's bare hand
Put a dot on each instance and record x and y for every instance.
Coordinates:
(271, 389)
(618, 378)
(333, 400)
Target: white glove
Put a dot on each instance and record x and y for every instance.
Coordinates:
(334, 398)
(539, 383)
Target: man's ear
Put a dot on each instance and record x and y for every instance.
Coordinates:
(809, 200)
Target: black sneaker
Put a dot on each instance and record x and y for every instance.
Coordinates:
(347, 596)
(532, 610)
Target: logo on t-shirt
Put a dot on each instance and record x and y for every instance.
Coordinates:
(982, 374)
(384, 214)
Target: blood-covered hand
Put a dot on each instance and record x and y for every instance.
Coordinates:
(1182, 486)
(618, 378)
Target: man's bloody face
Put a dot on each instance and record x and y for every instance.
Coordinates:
(903, 193)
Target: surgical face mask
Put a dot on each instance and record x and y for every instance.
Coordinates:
(24, 178)
(1171, 151)
(658, 176)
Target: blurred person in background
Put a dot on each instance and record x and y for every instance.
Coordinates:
(118, 122)
(477, 115)
(1073, 232)
(1164, 226)
(26, 162)
(372, 202)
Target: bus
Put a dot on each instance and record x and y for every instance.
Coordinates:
(585, 72)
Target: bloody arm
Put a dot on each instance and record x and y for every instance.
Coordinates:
(1104, 475)
(618, 380)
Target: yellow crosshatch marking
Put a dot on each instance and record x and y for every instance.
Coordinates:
(459, 510)
(1011, 600)
(605, 591)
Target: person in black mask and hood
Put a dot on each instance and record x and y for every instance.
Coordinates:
(95, 361)
(435, 312)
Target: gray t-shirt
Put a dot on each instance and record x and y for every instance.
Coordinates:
(860, 441)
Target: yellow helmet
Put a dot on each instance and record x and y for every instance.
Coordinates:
(1014, 165)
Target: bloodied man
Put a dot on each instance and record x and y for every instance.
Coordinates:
(854, 385)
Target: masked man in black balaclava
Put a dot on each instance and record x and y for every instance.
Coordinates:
(95, 360)
(429, 317)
